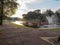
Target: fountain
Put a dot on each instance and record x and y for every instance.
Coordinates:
(52, 22)
(52, 19)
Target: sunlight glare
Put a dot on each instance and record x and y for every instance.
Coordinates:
(18, 22)
(22, 9)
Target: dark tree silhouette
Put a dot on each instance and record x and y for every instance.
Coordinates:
(57, 13)
(7, 8)
(49, 12)
(35, 15)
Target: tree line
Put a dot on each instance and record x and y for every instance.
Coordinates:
(37, 15)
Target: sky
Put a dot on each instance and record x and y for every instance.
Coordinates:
(31, 5)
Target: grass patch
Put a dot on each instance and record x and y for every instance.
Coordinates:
(55, 29)
(50, 29)
(21, 26)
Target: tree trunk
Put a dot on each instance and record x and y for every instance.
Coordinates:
(1, 21)
(1, 14)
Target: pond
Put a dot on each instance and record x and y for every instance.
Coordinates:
(50, 26)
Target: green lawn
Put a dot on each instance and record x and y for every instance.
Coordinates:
(33, 28)
(21, 26)
(56, 29)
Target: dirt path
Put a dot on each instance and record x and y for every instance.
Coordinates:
(12, 35)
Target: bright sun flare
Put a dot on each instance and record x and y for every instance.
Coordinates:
(18, 22)
(22, 9)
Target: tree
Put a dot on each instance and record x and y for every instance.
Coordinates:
(37, 11)
(49, 12)
(31, 15)
(7, 8)
(43, 17)
(57, 13)
(35, 15)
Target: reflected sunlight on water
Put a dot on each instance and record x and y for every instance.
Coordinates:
(18, 22)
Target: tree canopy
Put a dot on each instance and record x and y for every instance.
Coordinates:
(49, 12)
(7, 8)
(37, 15)
(57, 13)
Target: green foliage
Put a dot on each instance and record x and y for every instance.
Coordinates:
(9, 7)
(49, 12)
(31, 16)
(57, 13)
(35, 15)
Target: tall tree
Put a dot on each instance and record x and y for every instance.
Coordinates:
(35, 15)
(32, 15)
(49, 12)
(7, 8)
(57, 13)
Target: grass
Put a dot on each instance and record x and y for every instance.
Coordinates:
(21, 26)
(56, 29)
(51, 29)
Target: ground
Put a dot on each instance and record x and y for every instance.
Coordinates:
(15, 35)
